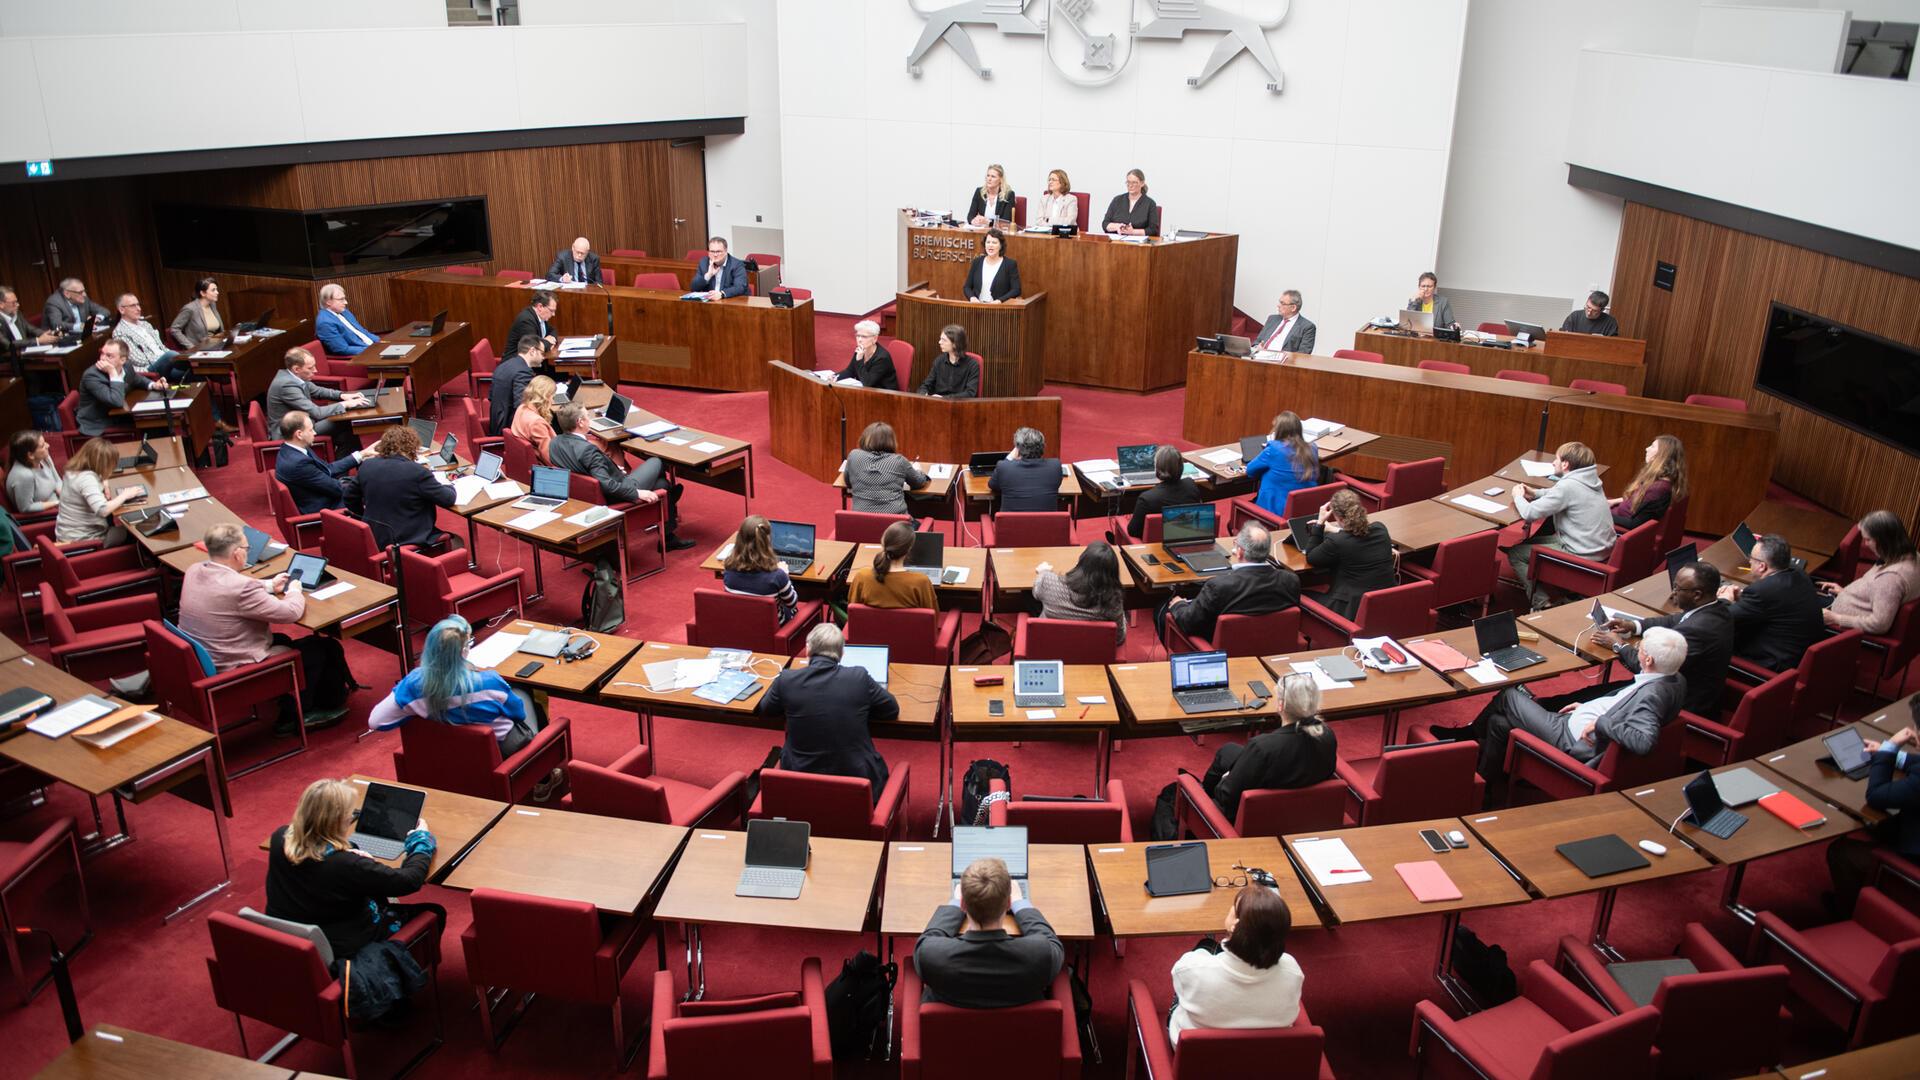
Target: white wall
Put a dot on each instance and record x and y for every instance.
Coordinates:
(1334, 186)
(41, 18)
(1803, 39)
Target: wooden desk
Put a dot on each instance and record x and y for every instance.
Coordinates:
(1558, 660)
(168, 453)
(1503, 496)
(599, 365)
(1331, 448)
(1120, 874)
(1016, 568)
(1146, 696)
(189, 410)
(560, 535)
(1808, 528)
(1009, 337)
(9, 649)
(830, 558)
(1562, 358)
(387, 407)
(456, 821)
(1481, 878)
(839, 888)
(1884, 1061)
(920, 880)
(1803, 763)
(252, 364)
(1474, 421)
(704, 457)
(1514, 473)
(964, 595)
(931, 499)
(369, 605)
(612, 863)
(969, 721)
(977, 491)
(71, 362)
(621, 269)
(1380, 692)
(628, 688)
(1428, 523)
(192, 520)
(577, 680)
(1571, 622)
(1167, 572)
(116, 1053)
(1655, 592)
(430, 362)
(1900, 714)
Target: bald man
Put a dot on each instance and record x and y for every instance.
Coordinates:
(577, 263)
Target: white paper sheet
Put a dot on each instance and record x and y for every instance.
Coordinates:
(1537, 468)
(69, 716)
(173, 498)
(1093, 465)
(1223, 456)
(1485, 673)
(1315, 427)
(503, 489)
(960, 574)
(707, 447)
(674, 440)
(331, 591)
(158, 405)
(494, 651)
(1040, 714)
(211, 354)
(576, 343)
(658, 427)
(660, 675)
(1103, 478)
(940, 472)
(691, 674)
(533, 519)
(1331, 862)
(1475, 502)
(466, 487)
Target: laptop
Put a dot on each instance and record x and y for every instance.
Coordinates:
(266, 317)
(1708, 812)
(1738, 787)
(488, 467)
(982, 462)
(1178, 869)
(386, 817)
(929, 555)
(1235, 345)
(1498, 637)
(1039, 684)
(776, 861)
(447, 448)
(1136, 463)
(144, 456)
(257, 543)
(1848, 752)
(1188, 533)
(615, 416)
(1298, 529)
(870, 658)
(423, 428)
(1419, 321)
(1678, 558)
(439, 323)
(1200, 682)
(1533, 331)
(1008, 843)
(1250, 447)
(1743, 539)
(792, 545)
(549, 489)
(309, 570)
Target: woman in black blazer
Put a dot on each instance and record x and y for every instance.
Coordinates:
(995, 188)
(1356, 552)
(992, 277)
(1133, 213)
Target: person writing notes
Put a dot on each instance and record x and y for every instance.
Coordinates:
(577, 263)
(992, 277)
(1133, 213)
(1593, 319)
(954, 374)
(992, 200)
(1056, 205)
(1429, 300)
(719, 275)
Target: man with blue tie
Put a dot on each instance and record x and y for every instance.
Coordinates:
(339, 332)
(313, 483)
(578, 263)
(719, 275)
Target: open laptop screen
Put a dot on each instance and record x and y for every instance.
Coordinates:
(390, 812)
(1008, 843)
(1198, 670)
(1495, 632)
(549, 482)
(1187, 524)
(1136, 458)
(617, 408)
(929, 549)
(777, 843)
(791, 537)
(871, 658)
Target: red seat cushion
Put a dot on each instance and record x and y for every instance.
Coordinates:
(1852, 949)
(1511, 1036)
(679, 794)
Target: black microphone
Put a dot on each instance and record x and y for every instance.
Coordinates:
(1540, 440)
(604, 291)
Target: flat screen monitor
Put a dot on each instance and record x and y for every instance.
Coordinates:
(1849, 376)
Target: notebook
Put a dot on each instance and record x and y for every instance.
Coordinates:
(1439, 655)
(1427, 881)
(1792, 811)
(1642, 978)
(1599, 856)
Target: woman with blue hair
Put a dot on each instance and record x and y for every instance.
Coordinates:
(448, 689)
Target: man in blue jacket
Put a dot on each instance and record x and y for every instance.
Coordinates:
(719, 275)
(313, 483)
(1851, 861)
(339, 332)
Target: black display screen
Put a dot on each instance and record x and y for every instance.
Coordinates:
(321, 244)
(1868, 383)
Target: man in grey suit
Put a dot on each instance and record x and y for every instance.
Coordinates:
(578, 263)
(67, 309)
(1286, 330)
(966, 959)
(573, 451)
(104, 386)
(1429, 300)
(293, 388)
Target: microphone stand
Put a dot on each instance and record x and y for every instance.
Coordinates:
(62, 982)
(1540, 439)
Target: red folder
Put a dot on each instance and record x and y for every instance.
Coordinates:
(1439, 655)
(1792, 811)
(1427, 881)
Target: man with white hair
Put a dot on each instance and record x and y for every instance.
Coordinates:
(872, 364)
(340, 333)
(68, 308)
(577, 263)
(828, 711)
(1632, 716)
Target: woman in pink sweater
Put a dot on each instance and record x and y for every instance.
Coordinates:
(1870, 603)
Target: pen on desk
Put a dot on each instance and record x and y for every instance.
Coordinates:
(1083, 711)
(1338, 870)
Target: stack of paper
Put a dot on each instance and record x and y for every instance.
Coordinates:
(1486, 673)
(69, 716)
(173, 498)
(466, 487)
(153, 404)
(1537, 468)
(939, 472)
(593, 515)
(1330, 862)
(706, 447)
(503, 489)
(1315, 427)
(660, 427)
(494, 651)
(1097, 465)
(1223, 456)
(1103, 477)
(533, 519)
(1475, 502)
(576, 343)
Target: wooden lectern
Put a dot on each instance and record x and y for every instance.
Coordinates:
(1009, 336)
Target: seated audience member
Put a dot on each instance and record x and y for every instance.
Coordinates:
(1171, 489)
(1299, 753)
(1593, 319)
(573, 451)
(104, 386)
(1871, 601)
(1575, 509)
(68, 309)
(719, 275)
(577, 263)
(293, 388)
(1632, 715)
(33, 484)
(1056, 205)
(15, 332)
(533, 420)
(966, 958)
(872, 364)
(829, 709)
(1850, 861)
(231, 614)
(398, 497)
(1429, 299)
(953, 374)
(313, 483)
(1286, 330)
(1247, 981)
(878, 477)
(1090, 591)
(445, 688)
(199, 319)
(315, 875)
(338, 330)
(1661, 480)
(1251, 585)
(1778, 615)
(992, 277)
(1356, 552)
(510, 379)
(88, 501)
(146, 352)
(1133, 211)
(751, 568)
(993, 200)
(1287, 463)
(887, 584)
(1028, 480)
(1705, 622)
(533, 324)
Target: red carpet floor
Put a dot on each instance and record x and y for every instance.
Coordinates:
(1362, 981)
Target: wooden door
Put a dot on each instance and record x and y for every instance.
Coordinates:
(687, 196)
(24, 263)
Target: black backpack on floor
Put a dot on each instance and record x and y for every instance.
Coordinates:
(602, 606)
(857, 1001)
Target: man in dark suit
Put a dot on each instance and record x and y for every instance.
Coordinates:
(1777, 617)
(966, 959)
(15, 334)
(533, 323)
(1287, 330)
(104, 386)
(578, 263)
(573, 451)
(314, 484)
(828, 710)
(510, 379)
(1851, 861)
(1028, 480)
(1251, 585)
(872, 364)
(397, 496)
(1593, 319)
(68, 308)
(719, 275)
(1703, 620)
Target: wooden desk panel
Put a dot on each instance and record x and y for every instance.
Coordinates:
(1763, 834)
(1570, 622)
(431, 363)
(628, 687)
(1146, 692)
(1428, 523)
(829, 562)
(1525, 838)
(1504, 516)
(1081, 680)
(920, 880)
(1557, 360)
(1120, 873)
(95, 772)
(168, 453)
(839, 888)
(1900, 714)
(1016, 568)
(1377, 693)
(612, 863)
(1558, 660)
(1009, 337)
(965, 593)
(116, 1053)
(456, 821)
(1807, 528)
(1483, 882)
(1805, 763)
(575, 679)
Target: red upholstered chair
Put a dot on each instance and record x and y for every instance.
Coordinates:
(281, 978)
(1032, 529)
(517, 458)
(1897, 877)
(861, 527)
(762, 260)
(799, 294)
(99, 641)
(1407, 482)
(1079, 821)
(1759, 723)
(1242, 635)
(1715, 401)
(837, 806)
(1533, 760)
(70, 433)
(465, 271)
(657, 280)
(1400, 611)
(1086, 209)
(1019, 211)
(29, 517)
(348, 543)
(1413, 783)
(1263, 812)
(943, 1042)
(41, 886)
(696, 254)
(1296, 1052)
(1673, 527)
(1464, 569)
(94, 575)
(628, 788)
(1862, 975)
(1599, 386)
(1447, 366)
(465, 758)
(226, 700)
(1896, 648)
(981, 363)
(480, 364)
(267, 449)
(514, 275)
(300, 530)
(553, 948)
(1300, 501)
(1632, 558)
(1845, 564)
(781, 1034)
(914, 635)
(627, 253)
(1821, 682)
(25, 572)
(642, 518)
(1520, 375)
(1493, 328)
(1072, 641)
(468, 415)
(1698, 1012)
(437, 586)
(732, 620)
(902, 353)
(1359, 354)
(1551, 1031)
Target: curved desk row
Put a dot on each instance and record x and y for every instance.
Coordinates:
(1562, 357)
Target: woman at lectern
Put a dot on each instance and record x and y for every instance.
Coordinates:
(992, 200)
(992, 277)
(1056, 206)
(954, 374)
(1133, 213)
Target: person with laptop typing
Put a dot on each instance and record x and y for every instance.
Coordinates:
(315, 875)
(965, 958)
(533, 420)
(293, 388)
(573, 451)
(953, 374)
(752, 568)
(1703, 620)
(1778, 616)
(1662, 478)
(871, 365)
(1247, 981)
(447, 689)
(199, 318)
(1286, 330)
(1028, 480)
(1871, 601)
(229, 614)
(1850, 861)
(1355, 552)
(1090, 591)
(1287, 463)
(829, 709)
(1593, 318)
(878, 475)
(398, 497)
(88, 500)
(104, 386)
(1252, 585)
(1574, 509)
(535, 324)
(510, 379)
(1428, 299)
(1171, 488)
(1631, 715)
(314, 484)
(576, 263)
(887, 583)
(33, 483)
